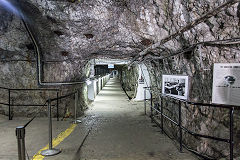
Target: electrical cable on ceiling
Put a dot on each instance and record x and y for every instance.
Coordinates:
(187, 27)
(225, 43)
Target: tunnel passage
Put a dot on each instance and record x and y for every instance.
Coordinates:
(119, 130)
(47, 48)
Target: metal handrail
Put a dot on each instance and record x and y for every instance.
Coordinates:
(200, 103)
(61, 97)
(6, 104)
(191, 132)
(179, 123)
(10, 90)
(10, 116)
(4, 88)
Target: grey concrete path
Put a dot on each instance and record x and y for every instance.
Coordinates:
(114, 128)
(122, 132)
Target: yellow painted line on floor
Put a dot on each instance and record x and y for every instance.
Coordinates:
(55, 142)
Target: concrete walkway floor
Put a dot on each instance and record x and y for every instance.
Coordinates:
(113, 128)
(121, 131)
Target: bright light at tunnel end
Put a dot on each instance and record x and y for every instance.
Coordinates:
(88, 82)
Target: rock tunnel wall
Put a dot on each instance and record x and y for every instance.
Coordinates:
(129, 80)
(21, 74)
(18, 69)
(198, 64)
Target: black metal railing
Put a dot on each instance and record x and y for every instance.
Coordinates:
(181, 128)
(11, 104)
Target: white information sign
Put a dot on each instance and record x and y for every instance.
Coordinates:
(110, 65)
(176, 86)
(226, 83)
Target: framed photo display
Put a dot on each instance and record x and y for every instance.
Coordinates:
(175, 86)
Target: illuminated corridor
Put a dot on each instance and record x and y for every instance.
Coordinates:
(120, 131)
(119, 79)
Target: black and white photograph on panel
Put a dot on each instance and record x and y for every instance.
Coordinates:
(175, 85)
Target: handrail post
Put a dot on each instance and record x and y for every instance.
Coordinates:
(145, 107)
(231, 132)
(50, 151)
(151, 113)
(57, 106)
(9, 105)
(50, 124)
(20, 134)
(81, 106)
(162, 115)
(151, 104)
(180, 124)
(75, 107)
(151, 98)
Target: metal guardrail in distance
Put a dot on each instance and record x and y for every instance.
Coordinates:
(159, 112)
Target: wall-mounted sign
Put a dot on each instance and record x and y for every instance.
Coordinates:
(176, 86)
(226, 83)
(141, 80)
(110, 65)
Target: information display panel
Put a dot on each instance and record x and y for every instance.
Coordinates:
(175, 86)
(226, 83)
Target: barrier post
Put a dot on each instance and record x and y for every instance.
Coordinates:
(57, 106)
(151, 98)
(145, 107)
(151, 113)
(180, 124)
(162, 115)
(50, 151)
(231, 132)
(20, 134)
(9, 105)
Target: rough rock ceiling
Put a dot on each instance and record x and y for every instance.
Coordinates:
(95, 28)
(86, 29)
(78, 31)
